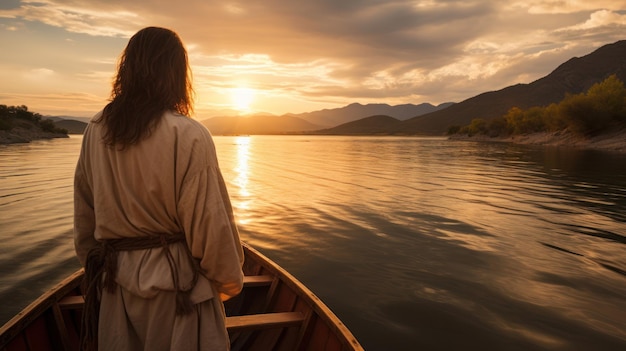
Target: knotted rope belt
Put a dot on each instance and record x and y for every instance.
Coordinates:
(101, 269)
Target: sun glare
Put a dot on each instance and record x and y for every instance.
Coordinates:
(242, 98)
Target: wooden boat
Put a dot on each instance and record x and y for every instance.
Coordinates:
(274, 312)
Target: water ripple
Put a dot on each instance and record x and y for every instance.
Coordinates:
(408, 240)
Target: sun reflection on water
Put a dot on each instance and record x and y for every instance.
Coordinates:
(242, 171)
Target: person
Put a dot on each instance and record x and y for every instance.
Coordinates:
(153, 222)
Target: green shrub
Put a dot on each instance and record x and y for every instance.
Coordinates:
(497, 127)
(478, 126)
(603, 106)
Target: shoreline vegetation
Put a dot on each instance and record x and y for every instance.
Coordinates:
(18, 125)
(595, 119)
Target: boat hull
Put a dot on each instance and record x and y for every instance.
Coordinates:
(273, 312)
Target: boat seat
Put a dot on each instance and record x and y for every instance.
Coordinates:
(249, 281)
(73, 302)
(264, 321)
(233, 323)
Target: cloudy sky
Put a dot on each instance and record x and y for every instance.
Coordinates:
(58, 56)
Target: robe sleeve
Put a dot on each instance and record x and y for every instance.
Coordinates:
(84, 216)
(206, 216)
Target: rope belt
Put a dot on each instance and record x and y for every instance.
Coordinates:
(101, 268)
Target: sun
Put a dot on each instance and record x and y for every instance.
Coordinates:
(241, 98)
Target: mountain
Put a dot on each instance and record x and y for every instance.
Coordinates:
(574, 76)
(355, 111)
(263, 123)
(257, 124)
(73, 118)
(72, 126)
(367, 126)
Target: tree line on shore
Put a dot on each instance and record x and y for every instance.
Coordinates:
(601, 108)
(19, 116)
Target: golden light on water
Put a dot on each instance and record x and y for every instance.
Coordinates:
(242, 171)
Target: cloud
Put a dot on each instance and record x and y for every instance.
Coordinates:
(69, 104)
(78, 18)
(42, 71)
(39, 74)
(568, 7)
(601, 18)
(341, 51)
(600, 27)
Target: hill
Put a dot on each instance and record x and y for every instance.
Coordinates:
(72, 126)
(72, 118)
(366, 126)
(333, 117)
(311, 121)
(574, 76)
(257, 124)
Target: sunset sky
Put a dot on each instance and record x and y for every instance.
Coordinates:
(58, 56)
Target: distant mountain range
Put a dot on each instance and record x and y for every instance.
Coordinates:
(264, 123)
(312, 121)
(379, 124)
(574, 76)
(333, 117)
(257, 124)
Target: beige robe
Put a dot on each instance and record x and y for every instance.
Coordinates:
(167, 183)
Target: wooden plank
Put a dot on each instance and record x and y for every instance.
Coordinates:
(267, 340)
(333, 344)
(17, 344)
(263, 321)
(309, 317)
(319, 336)
(257, 280)
(61, 328)
(291, 338)
(271, 294)
(37, 336)
(72, 302)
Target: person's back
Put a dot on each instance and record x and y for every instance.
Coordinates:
(152, 212)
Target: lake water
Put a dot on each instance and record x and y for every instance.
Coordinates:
(415, 243)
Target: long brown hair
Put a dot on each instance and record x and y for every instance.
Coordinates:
(153, 77)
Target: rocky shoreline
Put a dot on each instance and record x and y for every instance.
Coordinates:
(614, 141)
(22, 135)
